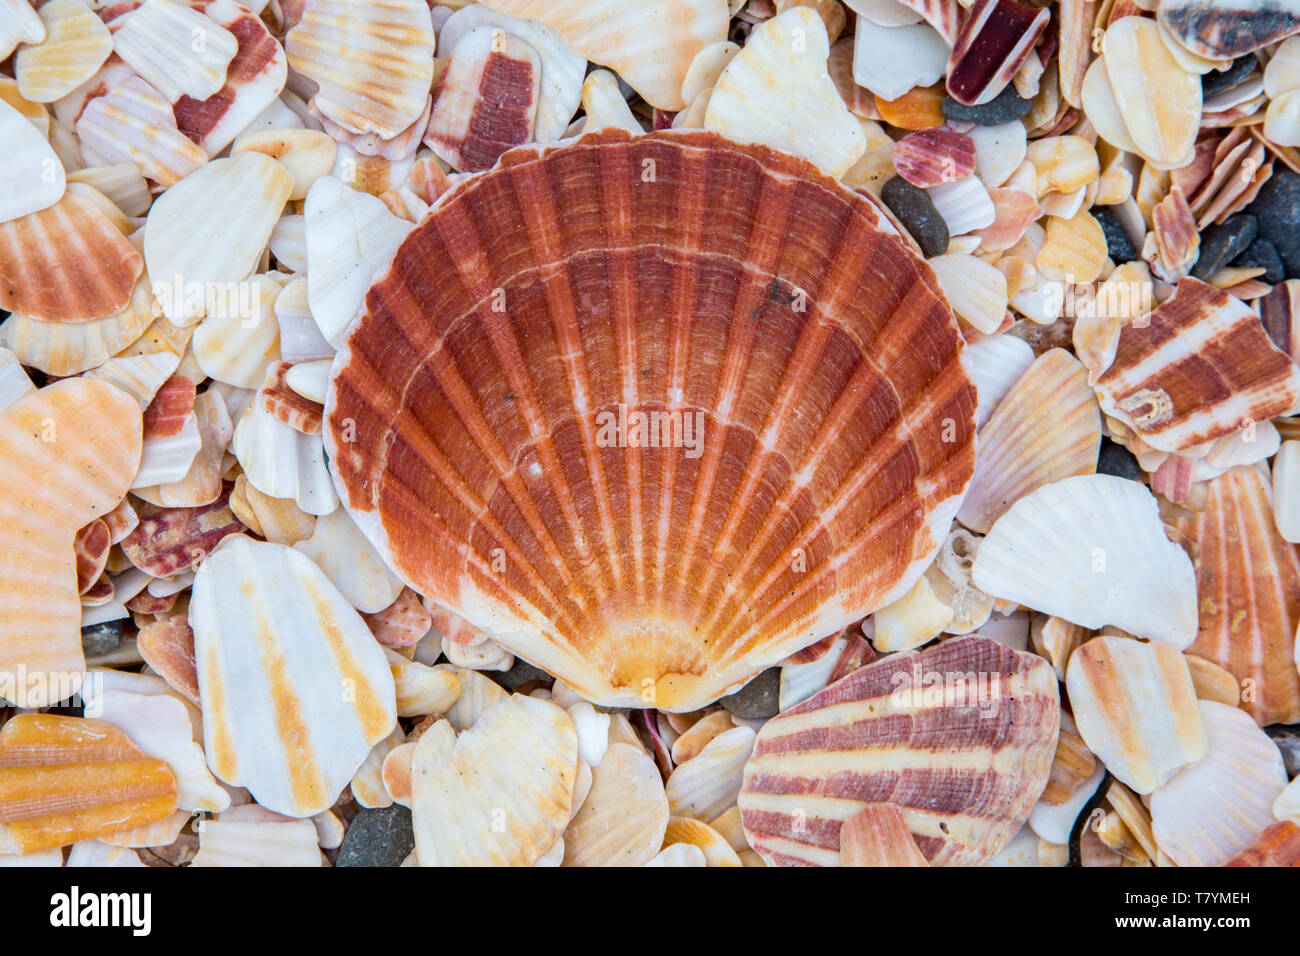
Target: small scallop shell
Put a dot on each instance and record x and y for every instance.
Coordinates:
(965, 205)
(133, 123)
(367, 784)
(189, 266)
(373, 62)
(1136, 708)
(167, 646)
(999, 151)
(1225, 370)
(1074, 251)
(1073, 765)
(1217, 807)
(916, 618)
(68, 262)
(422, 690)
(649, 46)
(169, 541)
(403, 623)
(286, 404)
(254, 79)
(996, 365)
(279, 520)
(166, 413)
(1021, 449)
(68, 779)
(705, 786)
(516, 765)
(477, 695)
(889, 733)
(930, 157)
(919, 108)
(877, 835)
(1247, 622)
(1063, 163)
(274, 642)
(777, 92)
(486, 99)
(1092, 549)
(308, 154)
(157, 40)
(76, 44)
(623, 820)
(55, 486)
(167, 459)
(140, 376)
(201, 484)
(91, 548)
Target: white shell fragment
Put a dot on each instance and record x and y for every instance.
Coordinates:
(295, 689)
(1092, 549)
(175, 49)
(31, 174)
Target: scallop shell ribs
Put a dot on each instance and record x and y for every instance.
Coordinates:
(654, 411)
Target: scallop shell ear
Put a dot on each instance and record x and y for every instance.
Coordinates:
(503, 463)
(1092, 549)
(776, 91)
(373, 62)
(889, 732)
(651, 46)
(67, 456)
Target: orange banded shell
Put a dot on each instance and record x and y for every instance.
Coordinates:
(482, 419)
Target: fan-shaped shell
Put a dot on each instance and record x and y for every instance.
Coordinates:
(67, 262)
(1248, 591)
(489, 453)
(623, 820)
(67, 779)
(67, 456)
(75, 45)
(960, 737)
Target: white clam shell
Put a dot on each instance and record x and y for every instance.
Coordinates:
(1092, 549)
(295, 689)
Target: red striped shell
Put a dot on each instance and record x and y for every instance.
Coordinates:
(960, 737)
(481, 425)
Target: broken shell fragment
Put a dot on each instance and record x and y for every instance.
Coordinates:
(1092, 549)
(877, 835)
(1220, 30)
(76, 43)
(295, 690)
(625, 815)
(995, 40)
(1136, 708)
(158, 40)
(169, 541)
(940, 748)
(930, 157)
(133, 123)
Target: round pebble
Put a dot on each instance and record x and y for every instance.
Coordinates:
(1262, 254)
(1115, 459)
(1277, 209)
(916, 211)
(1222, 243)
(757, 700)
(1118, 245)
(1003, 108)
(1218, 82)
(379, 837)
(101, 638)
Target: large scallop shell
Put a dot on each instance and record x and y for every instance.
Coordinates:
(295, 691)
(480, 451)
(1218, 806)
(67, 456)
(1198, 369)
(650, 45)
(373, 61)
(67, 262)
(1248, 589)
(960, 737)
(1092, 549)
(67, 779)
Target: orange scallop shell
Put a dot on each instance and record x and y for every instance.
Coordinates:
(67, 779)
(481, 419)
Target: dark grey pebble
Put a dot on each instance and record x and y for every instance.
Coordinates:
(1277, 208)
(521, 673)
(1115, 459)
(916, 211)
(1118, 245)
(99, 639)
(380, 837)
(1287, 738)
(757, 700)
(1003, 108)
(1222, 243)
(1216, 82)
(1263, 254)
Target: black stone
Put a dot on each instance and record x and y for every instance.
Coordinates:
(99, 639)
(381, 837)
(1287, 738)
(1263, 254)
(1222, 243)
(1277, 208)
(916, 211)
(1003, 108)
(521, 673)
(1115, 459)
(1216, 82)
(757, 700)
(1118, 245)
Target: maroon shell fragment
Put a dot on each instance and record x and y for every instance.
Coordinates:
(994, 43)
(171, 540)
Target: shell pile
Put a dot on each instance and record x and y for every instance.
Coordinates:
(614, 433)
